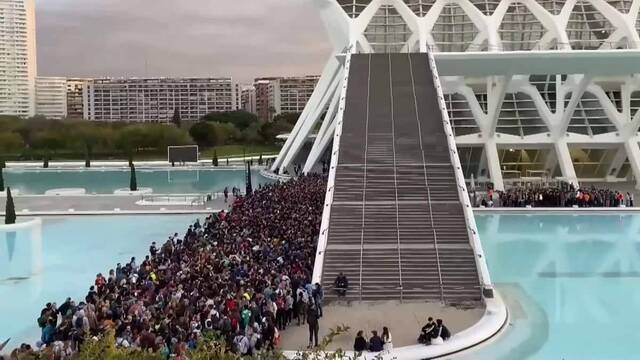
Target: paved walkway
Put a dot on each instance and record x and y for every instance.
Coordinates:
(403, 320)
(100, 203)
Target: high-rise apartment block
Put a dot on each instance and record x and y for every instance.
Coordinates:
(51, 97)
(18, 67)
(156, 99)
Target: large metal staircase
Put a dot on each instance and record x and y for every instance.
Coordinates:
(397, 228)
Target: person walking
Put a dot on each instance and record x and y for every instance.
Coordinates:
(314, 326)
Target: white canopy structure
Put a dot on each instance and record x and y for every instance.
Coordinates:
(532, 87)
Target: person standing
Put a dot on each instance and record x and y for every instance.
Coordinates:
(314, 326)
(318, 297)
(387, 339)
(226, 194)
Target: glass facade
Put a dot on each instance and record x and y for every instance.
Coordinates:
(519, 116)
(587, 28)
(521, 30)
(387, 32)
(454, 31)
(460, 114)
(589, 118)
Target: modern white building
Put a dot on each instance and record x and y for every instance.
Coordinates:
(18, 66)
(156, 99)
(51, 97)
(535, 89)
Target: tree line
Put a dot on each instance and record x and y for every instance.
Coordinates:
(38, 137)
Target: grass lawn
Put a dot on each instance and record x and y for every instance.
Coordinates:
(223, 152)
(238, 150)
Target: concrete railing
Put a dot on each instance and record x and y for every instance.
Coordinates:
(268, 174)
(328, 200)
(463, 194)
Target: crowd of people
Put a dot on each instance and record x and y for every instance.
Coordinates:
(567, 196)
(244, 274)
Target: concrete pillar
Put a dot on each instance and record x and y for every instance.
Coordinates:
(633, 152)
(493, 160)
(566, 163)
(616, 164)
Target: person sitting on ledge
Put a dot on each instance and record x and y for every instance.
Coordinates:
(360, 344)
(341, 284)
(442, 331)
(426, 332)
(375, 343)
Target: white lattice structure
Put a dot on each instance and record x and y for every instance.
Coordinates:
(517, 119)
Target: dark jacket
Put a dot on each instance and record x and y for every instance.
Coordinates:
(376, 344)
(360, 344)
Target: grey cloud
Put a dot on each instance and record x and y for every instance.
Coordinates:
(239, 38)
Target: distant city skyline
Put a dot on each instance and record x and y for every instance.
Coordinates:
(126, 38)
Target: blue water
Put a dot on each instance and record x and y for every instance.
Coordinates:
(572, 284)
(74, 250)
(105, 181)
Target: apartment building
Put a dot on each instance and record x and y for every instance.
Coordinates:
(276, 95)
(156, 99)
(18, 66)
(51, 97)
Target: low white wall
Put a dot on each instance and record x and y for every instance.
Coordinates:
(492, 322)
(140, 191)
(21, 245)
(66, 192)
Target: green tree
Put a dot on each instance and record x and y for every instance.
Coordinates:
(133, 182)
(214, 161)
(239, 119)
(10, 209)
(290, 118)
(10, 142)
(213, 134)
(202, 133)
(269, 131)
(175, 119)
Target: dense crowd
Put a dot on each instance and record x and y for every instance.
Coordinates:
(557, 197)
(244, 274)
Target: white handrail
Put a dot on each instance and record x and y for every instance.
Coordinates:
(474, 239)
(328, 200)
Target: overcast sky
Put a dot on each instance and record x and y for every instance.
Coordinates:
(239, 38)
